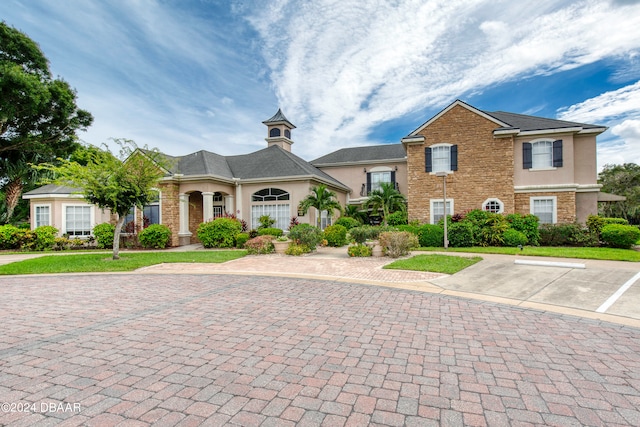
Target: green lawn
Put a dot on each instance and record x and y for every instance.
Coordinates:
(103, 262)
(434, 263)
(610, 254)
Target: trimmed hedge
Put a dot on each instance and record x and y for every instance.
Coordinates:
(335, 235)
(219, 233)
(431, 235)
(306, 234)
(270, 231)
(620, 236)
(104, 235)
(156, 236)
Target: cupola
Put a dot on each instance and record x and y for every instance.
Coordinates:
(279, 131)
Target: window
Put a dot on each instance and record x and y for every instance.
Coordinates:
(493, 205)
(43, 215)
(544, 154)
(544, 208)
(378, 178)
(437, 209)
(278, 212)
(325, 220)
(274, 132)
(269, 194)
(441, 158)
(78, 220)
(287, 133)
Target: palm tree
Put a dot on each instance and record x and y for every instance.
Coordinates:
(386, 199)
(17, 173)
(355, 212)
(322, 199)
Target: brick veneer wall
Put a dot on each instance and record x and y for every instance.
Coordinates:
(170, 205)
(485, 165)
(566, 204)
(195, 215)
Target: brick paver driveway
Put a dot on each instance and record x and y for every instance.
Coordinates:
(215, 350)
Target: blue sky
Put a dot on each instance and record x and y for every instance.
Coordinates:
(189, 75)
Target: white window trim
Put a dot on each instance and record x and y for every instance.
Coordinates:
(433, 201)
(493, 199)
(92, 217)
(554, 219)
(441, 144)
(546, 168)
(35, 210)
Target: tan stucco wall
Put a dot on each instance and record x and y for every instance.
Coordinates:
(586, 169)
(57, 206)
(485, 165)
(554, 176)
(586, 204)
(354, 176)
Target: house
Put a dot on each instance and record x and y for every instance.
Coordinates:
(501, 162)
(202, 185)
(496, 161)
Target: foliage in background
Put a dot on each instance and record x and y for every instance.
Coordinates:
(622, 180)
(259, 245)
(219, 233)
(431, 235)
(156, 236)
(265, 222)
(359, 250)
(241, 239)
(270, 231)
(398, 218)
(347, 222)
(39, 118)
(354, 212)
(569, 234)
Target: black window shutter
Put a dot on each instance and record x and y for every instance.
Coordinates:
(393, 178)
(453, 155)
(428, 166)
(557, 153)
(368, 183)
(527, 162)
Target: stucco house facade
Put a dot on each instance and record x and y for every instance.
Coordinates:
(502, 162)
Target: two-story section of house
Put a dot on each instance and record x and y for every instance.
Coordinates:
(501, 162)
(364, 169)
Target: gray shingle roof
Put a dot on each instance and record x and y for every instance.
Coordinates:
(533, 123)
(363, 154)
(52, 189)
(278, 118)
(203, 163)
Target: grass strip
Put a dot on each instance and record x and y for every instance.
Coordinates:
(606, 254)
(103, 262)
(434, 263)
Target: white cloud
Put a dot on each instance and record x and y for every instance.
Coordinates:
(342, 68)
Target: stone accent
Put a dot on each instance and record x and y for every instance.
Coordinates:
(195, 215)
(170, 205)
(485, 165)
(566, 204)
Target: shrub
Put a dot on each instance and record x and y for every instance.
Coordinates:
(155, 236)
(40, 239)
(347, 222)
(415, 229)
(266, 221)
(241, 239)
(493, 229)
(514, 238)
(61, 243)
(219, 233)
(431, 235)
(359, 250)
(104, 235)
(259, 245)
(365, 232)
(297, 250)
(397, 218)
(460, 234)
(397, 243)
(596, 222)
(335, 235)
(620, 236)
(526, 224)
(293, 222)
(10, 237)
(569, 234)
(306, 234)
(270, 231)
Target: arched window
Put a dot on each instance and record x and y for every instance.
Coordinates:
(287, 133)
(269, 194)
(274, 132)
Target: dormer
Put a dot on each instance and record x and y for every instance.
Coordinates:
(279, 131)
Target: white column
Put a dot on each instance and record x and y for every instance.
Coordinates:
(184, 215)
(229, 205)
(238, 211)
(207, 206)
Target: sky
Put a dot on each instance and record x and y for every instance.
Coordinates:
(190, 75)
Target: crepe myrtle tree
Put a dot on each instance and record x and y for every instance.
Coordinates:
(111, 181)
(322, 199)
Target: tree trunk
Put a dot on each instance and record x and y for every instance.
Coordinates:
(13, 190)
(116, 236)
